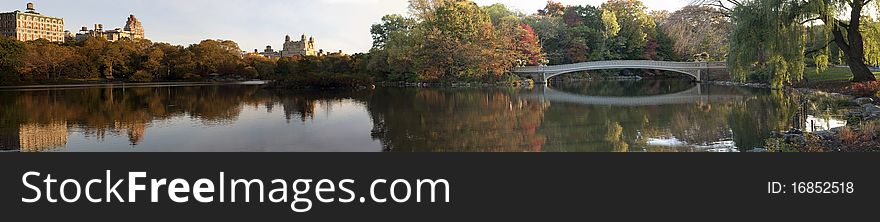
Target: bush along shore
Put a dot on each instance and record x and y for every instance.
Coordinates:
(861, 134)
(324, 80)
(520, 83)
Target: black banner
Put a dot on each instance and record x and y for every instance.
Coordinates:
(481, 186)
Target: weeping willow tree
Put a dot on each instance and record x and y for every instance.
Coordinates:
(768, 41)
(765, 45)
(852, 29)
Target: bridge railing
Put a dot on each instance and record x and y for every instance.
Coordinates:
(623, 63)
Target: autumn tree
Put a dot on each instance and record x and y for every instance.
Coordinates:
(529, 47)
(448, 40)
(698, 29)
(459, 43)
(216, 56)
(44, 59)
(552, 9)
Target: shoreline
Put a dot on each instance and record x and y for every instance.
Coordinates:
(125, 84)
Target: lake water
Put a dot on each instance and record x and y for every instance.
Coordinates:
(597, 116)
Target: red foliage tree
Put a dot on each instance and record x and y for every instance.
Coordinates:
(529, 46)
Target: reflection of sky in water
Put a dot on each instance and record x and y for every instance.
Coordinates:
(818, 124)
(336, 126)
(246, 118)
(723, 146)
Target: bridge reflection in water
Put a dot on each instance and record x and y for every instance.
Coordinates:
(699, 94)
(696, 119)
(622, 116)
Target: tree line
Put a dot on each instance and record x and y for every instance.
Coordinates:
(453, 40)
(769, 41)
(440, 41)
(42, 61)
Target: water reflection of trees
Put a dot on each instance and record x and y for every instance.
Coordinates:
(130, 111)
(746, 121)
(302, 104)
(500, 120)
(456, 120)
(404, 119)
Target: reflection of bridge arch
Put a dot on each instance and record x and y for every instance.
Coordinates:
(690, 96)
(541, 74)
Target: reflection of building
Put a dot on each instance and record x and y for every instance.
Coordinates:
(133, 30)
(31, 25)
(42, 137)
(136, 131)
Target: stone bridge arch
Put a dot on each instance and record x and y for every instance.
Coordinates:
(541, 74)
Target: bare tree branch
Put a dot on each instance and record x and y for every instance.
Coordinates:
(819, 48)
(810, 20)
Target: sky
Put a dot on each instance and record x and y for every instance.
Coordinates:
(254, 24)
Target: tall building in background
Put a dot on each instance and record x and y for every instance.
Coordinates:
(299, 48)
(133, 30)
(134, 27)
(31, 25)
(291, 48)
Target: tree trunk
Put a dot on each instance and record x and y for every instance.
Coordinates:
(852, 45)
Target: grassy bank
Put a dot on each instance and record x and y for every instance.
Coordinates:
(831, 74)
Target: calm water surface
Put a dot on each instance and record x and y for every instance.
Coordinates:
(633, 116)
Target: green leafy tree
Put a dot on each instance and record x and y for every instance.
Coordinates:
(11, 54)
(766, 46)
(390, 25)
(635, 27)
(782, 57)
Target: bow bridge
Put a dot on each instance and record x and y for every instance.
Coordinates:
(541, 74)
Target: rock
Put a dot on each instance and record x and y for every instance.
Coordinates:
(871, 109)
(825, 134)
(758, 150)
(863, 101)
(798, 139)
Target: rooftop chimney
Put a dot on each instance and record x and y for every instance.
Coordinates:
(30, 6)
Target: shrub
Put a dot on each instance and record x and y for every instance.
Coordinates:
(325, 81)
(871, 129)
(250, 72)
(8, 77)
(847, 135)
(866, 88)
(191, 76)
(760, 76)
(141, 76)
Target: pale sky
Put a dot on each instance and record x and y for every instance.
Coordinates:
(254, 24)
